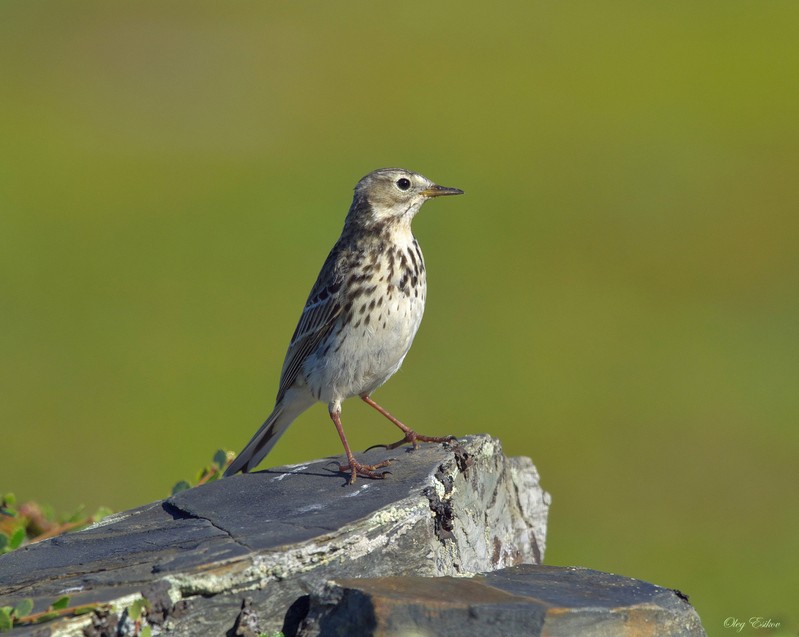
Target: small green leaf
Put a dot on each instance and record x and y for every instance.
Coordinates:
(82, 610)
(220, 458)
(3, 542)
(46, 617)
(137, 607)
(61, 602)
(6, 623)
(102, 512)
(180, 486)
(146, 632)
(23, 608)
(16, 538)
(9, 500)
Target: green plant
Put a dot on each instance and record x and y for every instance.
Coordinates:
(214, 471)
(32, 522)
(21, 615)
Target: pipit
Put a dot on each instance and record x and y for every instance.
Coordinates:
(360, 317)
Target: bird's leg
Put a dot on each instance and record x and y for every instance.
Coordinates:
(355, 468)
(410, 435)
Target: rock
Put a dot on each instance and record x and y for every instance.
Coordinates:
(272, 536)
(520, 600)
(449, 544)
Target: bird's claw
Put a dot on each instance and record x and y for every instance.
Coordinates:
(355, 469)
(377, 446)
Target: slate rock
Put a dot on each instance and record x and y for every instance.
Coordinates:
(273, 535)
(521, 600)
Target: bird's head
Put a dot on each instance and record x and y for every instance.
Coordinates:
(390, 195)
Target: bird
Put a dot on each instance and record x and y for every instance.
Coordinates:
(360, 318)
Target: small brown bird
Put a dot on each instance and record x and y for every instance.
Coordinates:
(360, 317)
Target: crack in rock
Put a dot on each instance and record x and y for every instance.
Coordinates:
(176, 511)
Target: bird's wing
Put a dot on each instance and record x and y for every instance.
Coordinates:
(318, 317)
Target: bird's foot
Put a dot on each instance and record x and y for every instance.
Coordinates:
(414, 438)
(355, 469)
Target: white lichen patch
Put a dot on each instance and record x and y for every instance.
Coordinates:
(294, 468)
(119, 517)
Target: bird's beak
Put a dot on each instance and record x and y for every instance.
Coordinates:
(439, 191)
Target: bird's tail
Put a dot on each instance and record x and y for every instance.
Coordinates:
(266, 437)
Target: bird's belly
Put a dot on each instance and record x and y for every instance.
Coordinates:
(364, 353)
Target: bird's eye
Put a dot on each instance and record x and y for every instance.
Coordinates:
(403, 183)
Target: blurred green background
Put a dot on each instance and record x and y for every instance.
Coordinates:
(615, 296)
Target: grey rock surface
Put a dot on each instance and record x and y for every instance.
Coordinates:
(274, 535)
(525, 600)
